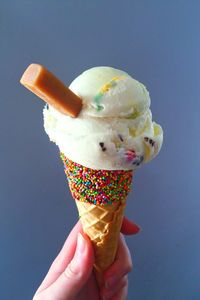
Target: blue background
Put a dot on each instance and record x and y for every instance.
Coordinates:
(158, 43)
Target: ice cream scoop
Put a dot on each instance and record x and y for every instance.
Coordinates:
(114, 130)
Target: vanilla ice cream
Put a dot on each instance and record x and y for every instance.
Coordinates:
(114, 130)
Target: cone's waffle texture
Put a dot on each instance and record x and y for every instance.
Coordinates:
(100, 198)
(102, 224)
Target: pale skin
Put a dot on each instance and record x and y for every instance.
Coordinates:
(71, 275)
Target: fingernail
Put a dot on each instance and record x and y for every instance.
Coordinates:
(75, 265)
(137, 229)
(80, 247)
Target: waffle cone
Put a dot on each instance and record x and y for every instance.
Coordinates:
(100, 197)
(102, 224)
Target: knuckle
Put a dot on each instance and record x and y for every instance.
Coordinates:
(127, 263)
(128, 266)
(73, 272)
(119, 288)
(124, 281)
(57, 267)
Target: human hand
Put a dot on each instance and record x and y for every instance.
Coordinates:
(71, 275)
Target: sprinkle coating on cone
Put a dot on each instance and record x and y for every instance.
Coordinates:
(99, 187)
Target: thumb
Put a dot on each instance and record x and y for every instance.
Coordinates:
(71, 281)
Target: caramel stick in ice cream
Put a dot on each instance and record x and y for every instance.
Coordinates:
(48, 87)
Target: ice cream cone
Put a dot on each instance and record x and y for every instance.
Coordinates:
(102, 224)
(100, 196)
(103, 121)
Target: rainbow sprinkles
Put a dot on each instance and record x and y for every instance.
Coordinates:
(98, 187)
(113, 83)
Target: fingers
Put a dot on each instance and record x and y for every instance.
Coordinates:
(74, 277)
(116, 276)
(129, 227)
(122, 294)
(117, 291)
(63, 259)
(67, 253)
